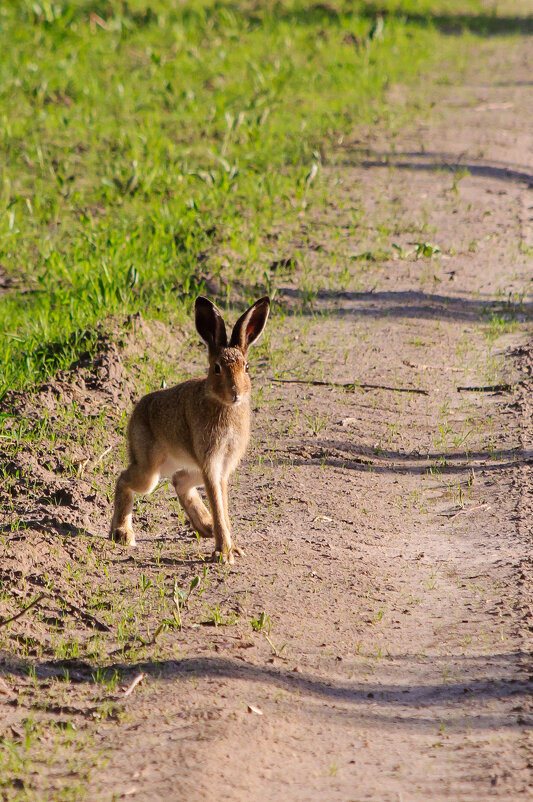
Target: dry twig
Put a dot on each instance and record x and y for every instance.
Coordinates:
(102, 455)
(83, 614)
(22, 612)
(131, 687)
(351, 385)
(469, 510)
(489, 388)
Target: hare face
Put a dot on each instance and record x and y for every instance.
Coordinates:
(228, 380)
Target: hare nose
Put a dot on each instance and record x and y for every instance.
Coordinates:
(235, 395)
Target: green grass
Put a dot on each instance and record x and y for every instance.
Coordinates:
(143, 144)
(32, 753)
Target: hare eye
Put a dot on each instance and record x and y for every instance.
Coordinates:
(218, 369)
(247, 367)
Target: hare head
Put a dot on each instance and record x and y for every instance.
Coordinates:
(228, 381)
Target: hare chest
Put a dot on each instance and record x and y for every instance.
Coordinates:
(228, 452)
(220, 460)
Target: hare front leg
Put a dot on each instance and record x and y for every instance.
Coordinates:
(223, 546)
(224, 484)
(133, 479)
(185, 484)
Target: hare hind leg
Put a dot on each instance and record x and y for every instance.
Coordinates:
(133, 479)
(186, 484)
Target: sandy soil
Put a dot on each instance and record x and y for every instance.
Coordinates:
(387, 531)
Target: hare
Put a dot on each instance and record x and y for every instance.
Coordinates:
(196, 432)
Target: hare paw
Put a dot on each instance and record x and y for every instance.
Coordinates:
(227, 556)
(125, 537)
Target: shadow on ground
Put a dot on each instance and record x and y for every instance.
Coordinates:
(481, 24)
(338, 454)
(434, 161)
(361, 694)
(407, 304)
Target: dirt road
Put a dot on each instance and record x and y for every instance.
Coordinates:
(374, 643)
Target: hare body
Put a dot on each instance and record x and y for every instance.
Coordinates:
(196, 433)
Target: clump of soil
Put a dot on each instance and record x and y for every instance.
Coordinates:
(49, 481)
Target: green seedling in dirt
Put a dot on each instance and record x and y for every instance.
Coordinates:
(434, 470)
(15, 756)
(426, 250)
(276, 649)
(415, 500)
(317, 422)
(261, 623)
(108, 710)
(67, 649)
(444, 431)
(373, 256)
(460, 439)
(499, 325)
(457, 177)
(270, 286)
(218, 619)
(103, 676)
(400, 252)
(180, 600)
(446, 674)
(393, 428)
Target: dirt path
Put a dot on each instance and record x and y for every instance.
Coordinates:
(387, 532)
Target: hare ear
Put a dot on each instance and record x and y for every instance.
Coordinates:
(249, 326)
(209, 324)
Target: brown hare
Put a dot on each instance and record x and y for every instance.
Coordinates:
(196, 432)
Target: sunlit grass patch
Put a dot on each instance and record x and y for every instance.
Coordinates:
(146, 145)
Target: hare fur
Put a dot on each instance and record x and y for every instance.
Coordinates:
(196, 432)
